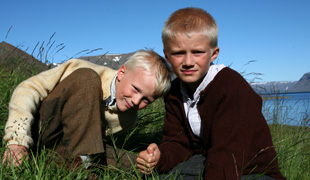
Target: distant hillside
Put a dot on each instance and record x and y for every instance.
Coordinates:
(302, 85)
(273, 86)
(11, 57)
(114, 61)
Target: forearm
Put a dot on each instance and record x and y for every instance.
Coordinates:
(176, 145)
(24, 102)
(172, 154)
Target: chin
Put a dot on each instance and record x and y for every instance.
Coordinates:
(122, 109)
(189, 80)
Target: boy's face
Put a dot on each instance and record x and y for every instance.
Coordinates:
(134, 88)
(190, 58)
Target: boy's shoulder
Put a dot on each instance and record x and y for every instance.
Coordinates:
(229, 81)
(228, 76)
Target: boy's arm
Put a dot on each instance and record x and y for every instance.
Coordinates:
(26, 99)
(175, 145)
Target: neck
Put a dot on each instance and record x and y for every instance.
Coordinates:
(191, 87)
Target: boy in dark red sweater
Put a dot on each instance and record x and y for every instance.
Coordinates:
(213, 117)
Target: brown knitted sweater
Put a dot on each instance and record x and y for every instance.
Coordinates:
(235, 137)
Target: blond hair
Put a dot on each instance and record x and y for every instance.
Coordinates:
(152, 62)
(189, 21)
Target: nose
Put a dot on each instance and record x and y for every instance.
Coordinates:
(136, 99)
(188, 60)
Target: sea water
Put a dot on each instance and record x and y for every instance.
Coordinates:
(288, 108)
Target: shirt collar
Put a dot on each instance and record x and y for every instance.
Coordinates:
(111, 100)
(212, 72)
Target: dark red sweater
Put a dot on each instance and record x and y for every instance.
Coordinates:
(235, 136)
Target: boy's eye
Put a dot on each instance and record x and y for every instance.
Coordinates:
(198, 52)
(177, 53)
(147, 101)
(135, 89)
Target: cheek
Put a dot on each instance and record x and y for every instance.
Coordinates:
(175, 62)
(127, 92)
(123, 91)
(174, 66)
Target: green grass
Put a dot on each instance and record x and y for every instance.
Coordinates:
(292, 143)
(293, 147)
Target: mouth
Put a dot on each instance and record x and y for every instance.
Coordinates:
(127, 104)
(188, 72)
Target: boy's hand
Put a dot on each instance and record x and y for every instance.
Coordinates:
(147, 160)
(15, 154)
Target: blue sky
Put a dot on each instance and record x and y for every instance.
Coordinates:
(274, 33)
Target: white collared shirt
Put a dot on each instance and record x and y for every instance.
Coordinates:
(190, 105)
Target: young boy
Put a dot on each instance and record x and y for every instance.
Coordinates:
(73, 107)
(213, 119)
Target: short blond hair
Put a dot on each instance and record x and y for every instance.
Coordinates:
(189, 21)
(152, 62)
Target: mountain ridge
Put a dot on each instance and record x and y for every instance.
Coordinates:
(302, 85)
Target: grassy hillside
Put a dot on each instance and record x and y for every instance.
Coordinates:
(12, 57)
(292, 143)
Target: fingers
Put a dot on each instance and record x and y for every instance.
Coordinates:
(6, 158)
(144, 167)
(145, 170)
(15, 155)
(150, 150)
(147, 159)
(11, 157)
(145, 163)
(18, 159)
(148, 164)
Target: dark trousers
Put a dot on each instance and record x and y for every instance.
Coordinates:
(193, 170)
(69, 119)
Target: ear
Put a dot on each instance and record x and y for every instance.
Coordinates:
(166, 55)
(121, 72)
(216, 52)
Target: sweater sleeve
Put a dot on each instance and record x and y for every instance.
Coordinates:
(27, 97)
(240, 141)
(175, 146)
